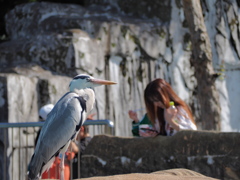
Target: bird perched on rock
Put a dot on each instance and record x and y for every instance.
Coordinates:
(63, 123)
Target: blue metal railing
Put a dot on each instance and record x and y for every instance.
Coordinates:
(40, 124)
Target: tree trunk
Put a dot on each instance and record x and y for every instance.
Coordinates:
(202, 62)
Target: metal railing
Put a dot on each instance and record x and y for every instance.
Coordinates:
(17, 142)
(40, 124)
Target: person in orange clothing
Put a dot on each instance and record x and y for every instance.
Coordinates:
(53, 172)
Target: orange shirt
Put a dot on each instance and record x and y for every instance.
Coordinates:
(53, 172)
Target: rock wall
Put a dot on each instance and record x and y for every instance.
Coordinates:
(209, 153)
(109, 39)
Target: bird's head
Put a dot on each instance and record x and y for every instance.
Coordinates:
(83, 81)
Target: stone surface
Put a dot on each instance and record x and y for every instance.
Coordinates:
(212, 154)
(173, 174)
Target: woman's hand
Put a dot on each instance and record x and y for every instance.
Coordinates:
(133, 116)
(147, 133)
(169, 115)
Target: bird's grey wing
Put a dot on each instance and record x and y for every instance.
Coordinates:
(64, 121)
(61, 125)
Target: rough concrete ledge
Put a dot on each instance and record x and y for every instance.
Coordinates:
(173, 174)
(213, 154)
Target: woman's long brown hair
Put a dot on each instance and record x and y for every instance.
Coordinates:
(160, 90)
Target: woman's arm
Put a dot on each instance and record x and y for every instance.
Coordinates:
(135, 122)
(179, 120)
(143, 133)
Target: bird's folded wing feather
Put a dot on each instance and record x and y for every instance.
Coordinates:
(60, 126)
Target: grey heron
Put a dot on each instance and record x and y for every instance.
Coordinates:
(63, 123)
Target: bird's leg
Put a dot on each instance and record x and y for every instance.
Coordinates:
(61, 167)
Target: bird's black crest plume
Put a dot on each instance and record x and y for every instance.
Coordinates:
(81, 77)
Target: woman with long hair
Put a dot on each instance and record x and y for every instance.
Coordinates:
(167, 121)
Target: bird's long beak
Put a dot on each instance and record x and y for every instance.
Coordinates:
(103, 82)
